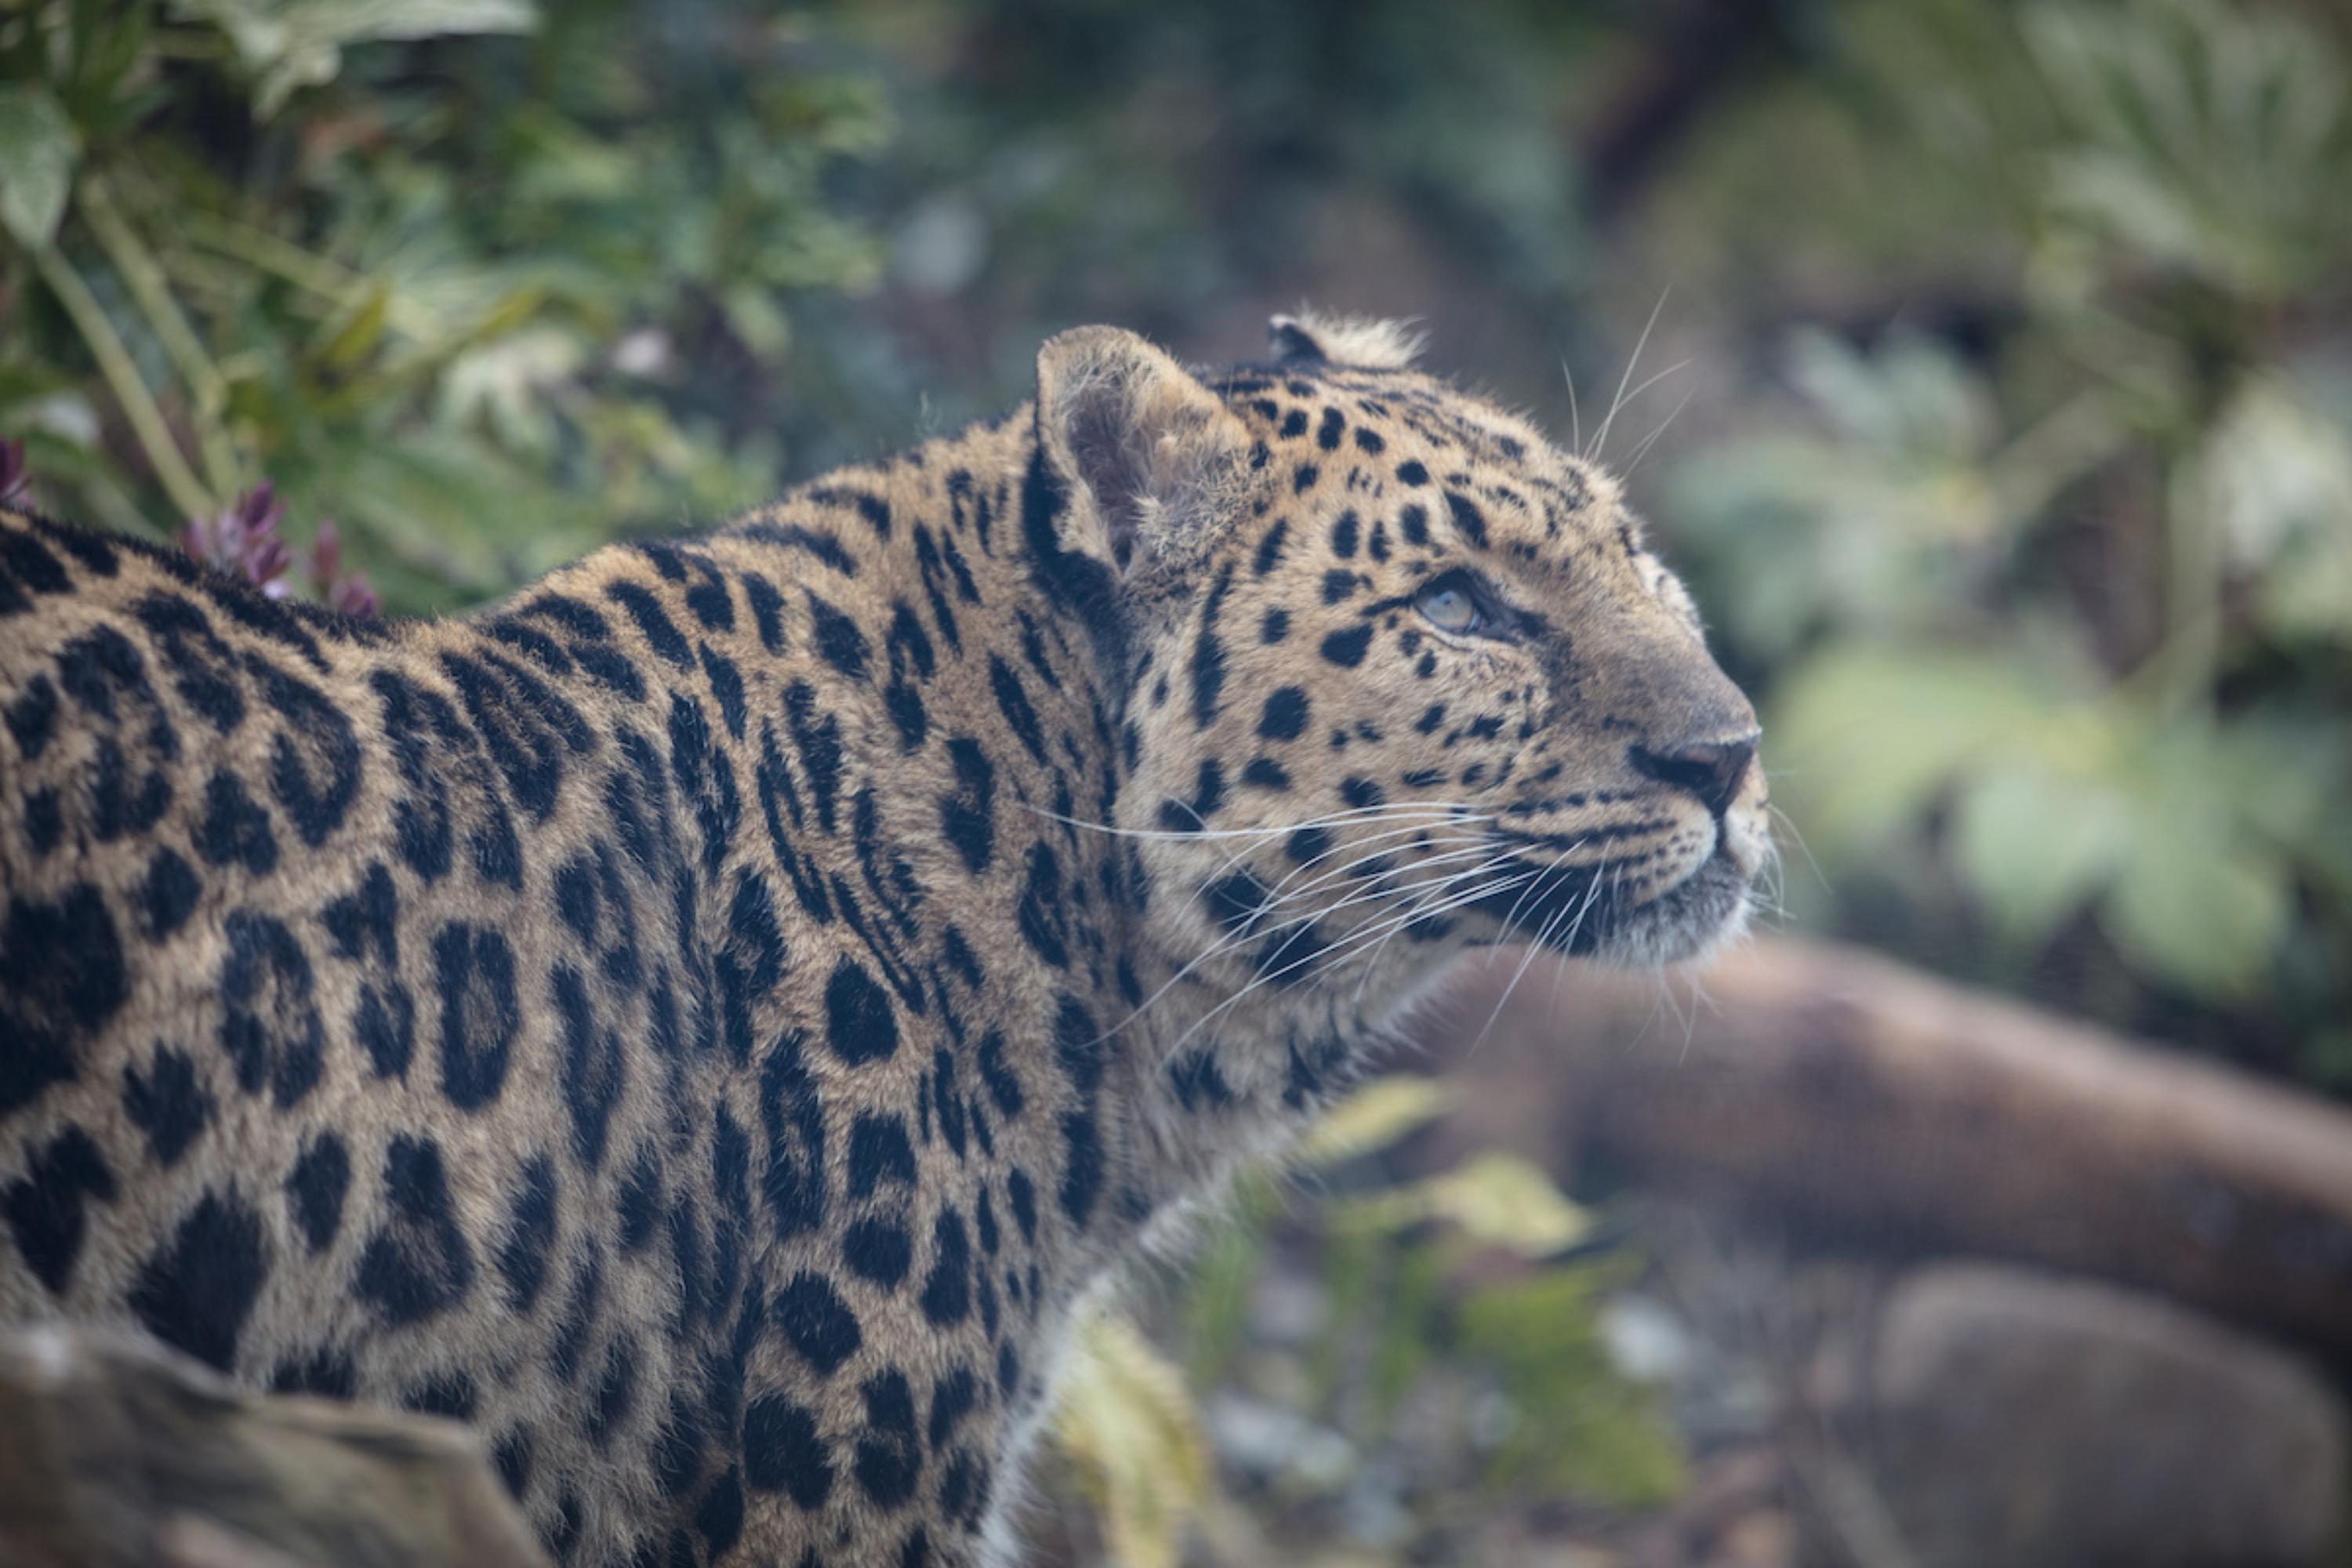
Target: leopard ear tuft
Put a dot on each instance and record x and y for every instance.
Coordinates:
(1160, 458)
(1364, 342)
(1292, 344)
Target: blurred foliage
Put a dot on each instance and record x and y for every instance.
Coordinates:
(454, 271)
(1186, 168)
(2060, 617)
(2016, 470)
(1578, 1426)
(1458, 1296)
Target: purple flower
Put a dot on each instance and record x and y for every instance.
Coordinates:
(245, 541)
(345, 591)
(13, 473)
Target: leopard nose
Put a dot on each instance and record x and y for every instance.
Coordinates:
(1711, 770)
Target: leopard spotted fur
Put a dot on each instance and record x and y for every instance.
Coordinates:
(707, 1019)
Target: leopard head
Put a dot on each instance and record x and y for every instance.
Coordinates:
(1398, 674)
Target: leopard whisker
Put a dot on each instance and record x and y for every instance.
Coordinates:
(1353, 867)
(1410, 828)
(1600, 437)
(1531, 948)
(1254, 931)
(1258, 927)
(1530, 882)
(1258, 930)
(1325, 877)
(1273, 830)
(1439, 899)
(1530, 885)
(1355, 939)
(1634, 463)
(1372, 940)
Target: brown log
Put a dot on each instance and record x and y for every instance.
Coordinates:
(1843, 1090)
(115, 1454)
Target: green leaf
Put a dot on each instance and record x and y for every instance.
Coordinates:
(2282, 770)
(290, 44)
(356, 337)
(2202, 128)
(2036, 841)
(2276, 474)
(2200, 905)
(38, 150)
(1584, 1426)
(508, 383)
(1914, 397)
(757, 319)
(1869, 737)
(110, 43)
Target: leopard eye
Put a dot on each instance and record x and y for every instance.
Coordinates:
(1449, 606)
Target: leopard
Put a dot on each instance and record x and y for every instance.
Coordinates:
(711, 1020)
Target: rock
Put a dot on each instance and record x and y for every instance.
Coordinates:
(2022, 1419)
(115, 1453)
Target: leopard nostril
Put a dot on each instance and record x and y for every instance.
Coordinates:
(1711, 770)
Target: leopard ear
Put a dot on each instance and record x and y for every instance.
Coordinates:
(1160, 458)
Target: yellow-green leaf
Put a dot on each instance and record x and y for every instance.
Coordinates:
(358, 334)
(1374, 1116)
(1497, 1199)
(1133, 1437)
(2036, 841)
(2200, 913)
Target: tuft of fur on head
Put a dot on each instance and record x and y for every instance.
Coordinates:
(1366, 342)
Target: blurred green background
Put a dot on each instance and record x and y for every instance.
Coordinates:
(1987, 367)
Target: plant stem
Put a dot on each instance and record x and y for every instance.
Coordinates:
(305, 269)
(138, 269)
(147, 423)
(2054, 452)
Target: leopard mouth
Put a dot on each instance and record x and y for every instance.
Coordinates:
(1581, 910)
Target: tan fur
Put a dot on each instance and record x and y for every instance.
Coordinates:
(706, 1020)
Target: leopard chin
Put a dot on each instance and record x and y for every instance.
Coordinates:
(1690, 920)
